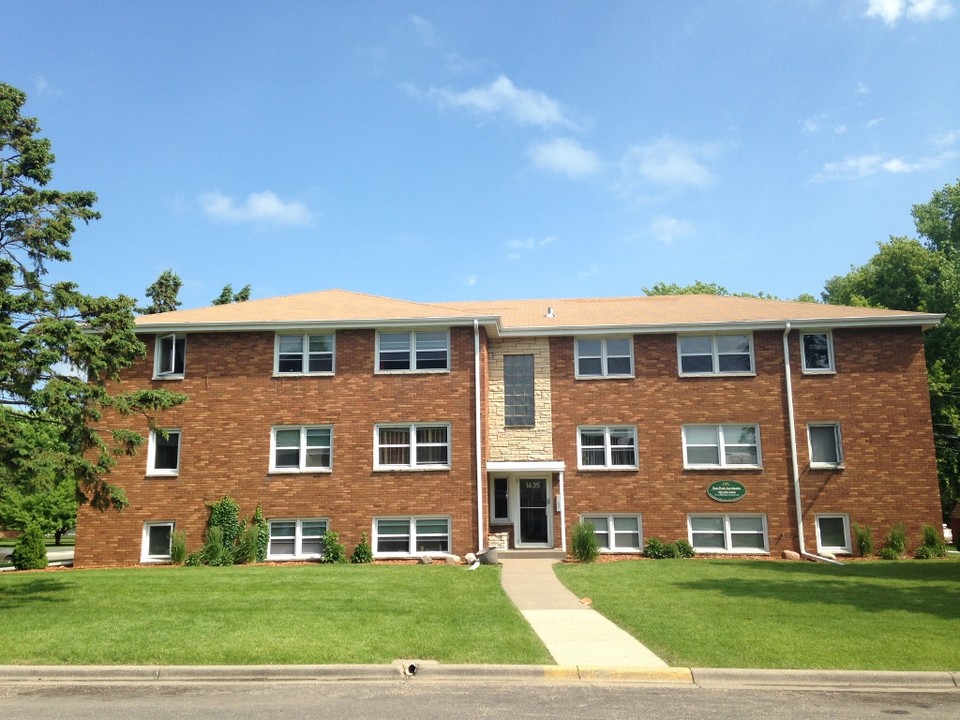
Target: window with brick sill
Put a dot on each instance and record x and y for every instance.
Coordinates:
(405, 536)
(163, 453)
(706, 355)
(156, 542)
(605, 357)
(412, 352)
(617, 533)
(296, 539)
(730, 533)
(170, 357)
(817, 353)
(304, 354)
(301, 449)
(411, 447)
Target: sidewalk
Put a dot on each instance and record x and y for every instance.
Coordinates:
(574, 634)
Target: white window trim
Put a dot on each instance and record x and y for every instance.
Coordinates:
(152, 470)
(145, 556)
(727, 535)
(607, 448)
(305, 355)
(302, 467)
(604, 374)
(832, 369)
(716, 372)
(160, 373)
(845, 550)
(413, 370)
(723, 465)
(837, 438)
(298, 553)
(611, 532)
(412, 536)
(413, 466)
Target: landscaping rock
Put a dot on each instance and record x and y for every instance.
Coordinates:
(426, 560)
(791, 555)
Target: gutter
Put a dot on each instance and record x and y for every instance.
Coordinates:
(795, 465)
(479, 434)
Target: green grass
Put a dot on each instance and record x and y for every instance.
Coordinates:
(305, 614)
(756, 614)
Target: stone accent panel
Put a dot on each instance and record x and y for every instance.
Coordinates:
(520, 443)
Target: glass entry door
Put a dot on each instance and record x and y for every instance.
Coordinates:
(534, 509)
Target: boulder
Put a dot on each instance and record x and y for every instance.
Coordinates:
(791, 555)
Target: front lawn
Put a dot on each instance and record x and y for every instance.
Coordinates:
(305, 614)
(770, 614)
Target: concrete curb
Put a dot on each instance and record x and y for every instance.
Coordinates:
(427, 671)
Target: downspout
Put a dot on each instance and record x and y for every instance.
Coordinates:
(563, 518)
(479, 433)
(793, 451)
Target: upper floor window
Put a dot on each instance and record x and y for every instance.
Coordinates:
(406, 447)
(518, 409)
(413, 351)
(826, 450)
(604, 357)
(607, 447)
(817, 352)
(301, 449)
(304, 354)
(721, 446)
(163, 452)
(171, 356)
(715, 354)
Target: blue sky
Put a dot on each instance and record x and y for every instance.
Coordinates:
(452, 151)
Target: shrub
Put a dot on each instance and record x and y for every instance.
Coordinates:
(583, 542)
(896, 543)
(864, 537)
(178, 548)
(931, 544)
(362, 553)
(659, 550)
(225, 514)
(30, 551)
(245, 550)
(684, 549)
(263, 533)
(334, 551)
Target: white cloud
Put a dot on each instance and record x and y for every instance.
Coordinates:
(564, 156)
(671, 163)
(425, 30)
(471, 280)
(862, 88)
(861, 166)
(812, 124)
(669, 229)
(947, 138)
(502, 97)
(258, 208)
(516, 248)
(890, 11)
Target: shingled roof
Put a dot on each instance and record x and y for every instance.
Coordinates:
(658, 313)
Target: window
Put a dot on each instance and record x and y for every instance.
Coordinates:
(721, 446)
(825, 448)
(715, 354)
(604, 357)
(170, 357)
(301, 449)
(413, 351)
(499, 501)
(609, 447)
(411, 535)
(412, 446)
(817, 352)
(833, 534)
(518, 391)
(304, 354)
(163, 452)
(728, 533)
(617, 533)
(296, 539)
(155, 546)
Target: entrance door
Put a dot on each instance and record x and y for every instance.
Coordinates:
(534, 512)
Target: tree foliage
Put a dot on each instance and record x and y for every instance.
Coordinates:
(924, 275)
(163, 294)
(703, 288)
(227, 295)
(59, 348)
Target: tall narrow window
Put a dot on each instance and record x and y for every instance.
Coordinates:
(825, 448)
(171, 356)
(817, 352)
(163, 452)
(518, 408)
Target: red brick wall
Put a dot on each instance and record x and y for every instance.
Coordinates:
(226, 425)
(879, 391)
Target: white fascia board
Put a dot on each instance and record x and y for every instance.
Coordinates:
(273, 325)
(526, 466)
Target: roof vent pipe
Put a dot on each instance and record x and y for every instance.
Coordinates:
(550, 312)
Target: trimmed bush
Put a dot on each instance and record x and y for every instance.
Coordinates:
(658, 550)
(931, 544)
(583, 542)
(684, 549)
(263, 533)
(363, 552)
(896, 543)
(30, 552)
(334, 551)
(864, 539)
(178, 548)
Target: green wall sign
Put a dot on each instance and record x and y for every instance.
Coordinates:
(726, 491)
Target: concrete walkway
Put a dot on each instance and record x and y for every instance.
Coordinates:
(574, 633)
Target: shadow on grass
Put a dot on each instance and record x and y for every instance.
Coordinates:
(34, 590)
(929, 588)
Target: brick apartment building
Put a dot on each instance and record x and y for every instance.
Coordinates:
(445, 428)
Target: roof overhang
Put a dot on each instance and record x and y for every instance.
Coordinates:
(339, 324)
(526, 466)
